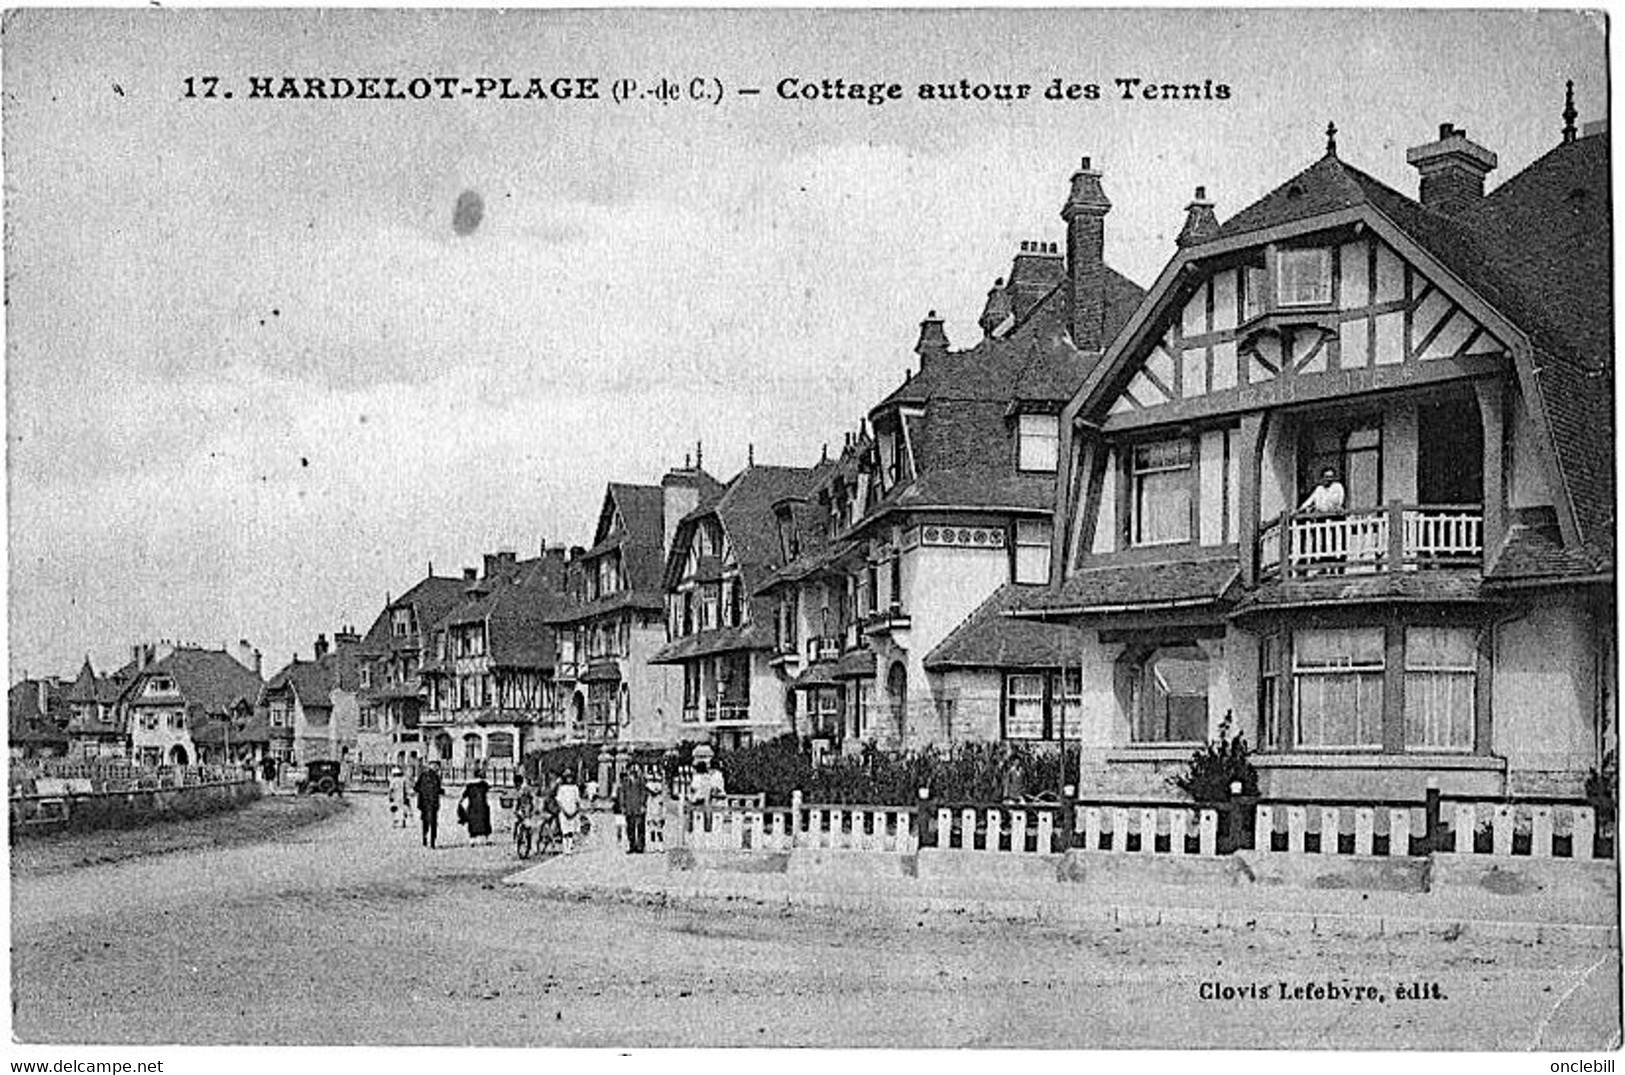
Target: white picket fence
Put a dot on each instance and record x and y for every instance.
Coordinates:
(839, 828)
(1397, 831)
(1109, 828)
(1536, 830)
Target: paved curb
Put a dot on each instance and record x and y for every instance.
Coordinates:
(1052, 911)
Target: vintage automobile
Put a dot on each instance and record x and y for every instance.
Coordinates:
(321, 777)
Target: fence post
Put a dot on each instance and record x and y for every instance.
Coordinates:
(1466, 825)
(945, 828)
(926, 836)
(1208, 841)
(1585, 833)
(1540, 835)
(1431, 840)
(1069, 817)
(994, 817)
(1365, 826)
(1046, 834)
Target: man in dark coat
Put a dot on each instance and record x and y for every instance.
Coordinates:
(632, 801)
(428, 790)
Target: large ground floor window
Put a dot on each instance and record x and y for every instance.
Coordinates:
(1408, 687)
(1043, 705)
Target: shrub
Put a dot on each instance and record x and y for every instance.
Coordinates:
(965, 772)
(1212, 770)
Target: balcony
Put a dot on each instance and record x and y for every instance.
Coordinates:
(717, 713)
(886, 619)
(1399, 537)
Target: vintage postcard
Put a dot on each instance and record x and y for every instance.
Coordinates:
(849, 528)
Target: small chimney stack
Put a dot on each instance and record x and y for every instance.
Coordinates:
(1200, 222)
(470, 574)
(320, 649)
(1452, 170)
(997, 310)
(1085, 215)
(933, 340)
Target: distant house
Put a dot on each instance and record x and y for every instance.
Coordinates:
(488, 672)
(722, 633)
(180, 707)
(310, 710)
(38, 718)
(96, 726)
(389, 671)
(616, 619)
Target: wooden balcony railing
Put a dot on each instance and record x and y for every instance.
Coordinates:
(1399, 537)
(717, 713)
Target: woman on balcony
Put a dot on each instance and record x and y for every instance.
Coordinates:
(1327, 498)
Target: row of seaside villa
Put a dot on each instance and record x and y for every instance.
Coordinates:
(1081, 529)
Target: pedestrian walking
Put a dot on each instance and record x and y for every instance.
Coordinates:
(428, 791)
(568, 796)
(398, 805)
(474, 808)
(632, 802)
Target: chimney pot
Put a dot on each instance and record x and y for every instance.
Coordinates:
(1084, 164)
(1201, 194)
(1085, 215)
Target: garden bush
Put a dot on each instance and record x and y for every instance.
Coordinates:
(1212, 770)
(964, 772)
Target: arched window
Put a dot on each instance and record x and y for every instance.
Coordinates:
(897, 695)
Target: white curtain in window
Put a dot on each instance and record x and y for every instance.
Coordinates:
(1337, 685)
(1164, 509)
(1032, 551)
(1024, 712)
(1441, 666)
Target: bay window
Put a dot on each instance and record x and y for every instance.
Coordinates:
(1303, 277)
(1160, 493)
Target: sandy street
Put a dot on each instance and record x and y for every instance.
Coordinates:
(349, 932)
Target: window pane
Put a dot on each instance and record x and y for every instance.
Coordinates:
(1439, 710)
(1338, 647)
(1441, 647)
(1032, 564)
(1038, 441)
(1305, 276)
(1339, 709)
(1162, 510)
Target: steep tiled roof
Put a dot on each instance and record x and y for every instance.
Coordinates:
(517, 605)
(432, 598)
(1407, 587)
(209, 680)
(990, 639)
(27, 723)
(1534, 550)
(1134, 586)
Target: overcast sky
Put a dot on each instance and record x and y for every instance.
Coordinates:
(257, 378)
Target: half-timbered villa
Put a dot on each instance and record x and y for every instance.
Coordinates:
(1345, 478)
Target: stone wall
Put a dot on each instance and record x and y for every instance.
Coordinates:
(35, 814)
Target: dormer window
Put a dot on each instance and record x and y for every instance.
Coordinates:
(1303, 277)
(1038, 437)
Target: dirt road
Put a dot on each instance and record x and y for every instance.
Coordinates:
(349, 932)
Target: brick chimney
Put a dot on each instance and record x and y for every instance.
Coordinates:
(499, 562)
(1200, 222)
(997, 310)
(1037, 269)
(933, 343)
(1085, 215)
(346, 636)
(320, 649)
(1452, 169)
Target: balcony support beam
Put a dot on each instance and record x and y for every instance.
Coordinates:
(1250, 445)
(1491, 416)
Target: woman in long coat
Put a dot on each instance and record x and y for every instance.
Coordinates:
(474, 809)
